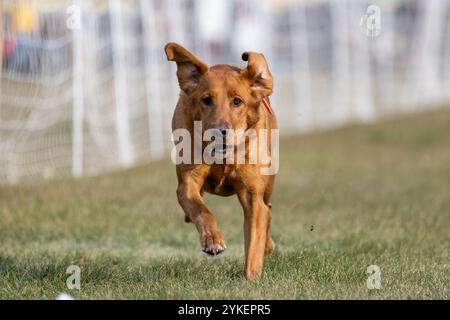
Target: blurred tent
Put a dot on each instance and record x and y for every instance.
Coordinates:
(23, 16)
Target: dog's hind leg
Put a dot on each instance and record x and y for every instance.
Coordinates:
(270, 244)
(191, 200)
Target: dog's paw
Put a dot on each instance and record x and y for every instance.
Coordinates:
(270, 246)
(213, 244)
(214, 250)
(253, 274)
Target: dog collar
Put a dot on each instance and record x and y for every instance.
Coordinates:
(267, 106)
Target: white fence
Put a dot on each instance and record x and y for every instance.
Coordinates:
(81, 97)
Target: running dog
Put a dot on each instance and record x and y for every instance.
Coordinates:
(225, 98)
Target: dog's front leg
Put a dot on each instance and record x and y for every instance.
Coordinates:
(193, 204)
(256, 224)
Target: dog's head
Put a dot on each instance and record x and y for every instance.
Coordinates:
(222, 96)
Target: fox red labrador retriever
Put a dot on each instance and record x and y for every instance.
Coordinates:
(226, 98)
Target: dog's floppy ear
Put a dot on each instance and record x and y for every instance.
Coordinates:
(189, 67)
(258, 73)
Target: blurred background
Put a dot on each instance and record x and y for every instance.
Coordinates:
(86, 88)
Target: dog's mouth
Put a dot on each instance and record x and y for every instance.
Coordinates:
(223, 147)
(223, 150)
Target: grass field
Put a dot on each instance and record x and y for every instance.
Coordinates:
(344, 200)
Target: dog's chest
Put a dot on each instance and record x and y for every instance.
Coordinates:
(220, 180)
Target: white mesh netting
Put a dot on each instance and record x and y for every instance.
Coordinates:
(84, 99)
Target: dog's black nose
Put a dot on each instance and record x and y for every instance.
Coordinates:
(221, 127)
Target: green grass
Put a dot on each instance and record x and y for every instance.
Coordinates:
(376, 194)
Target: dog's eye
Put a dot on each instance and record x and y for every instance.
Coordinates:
(237, 102)
(207, 101)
